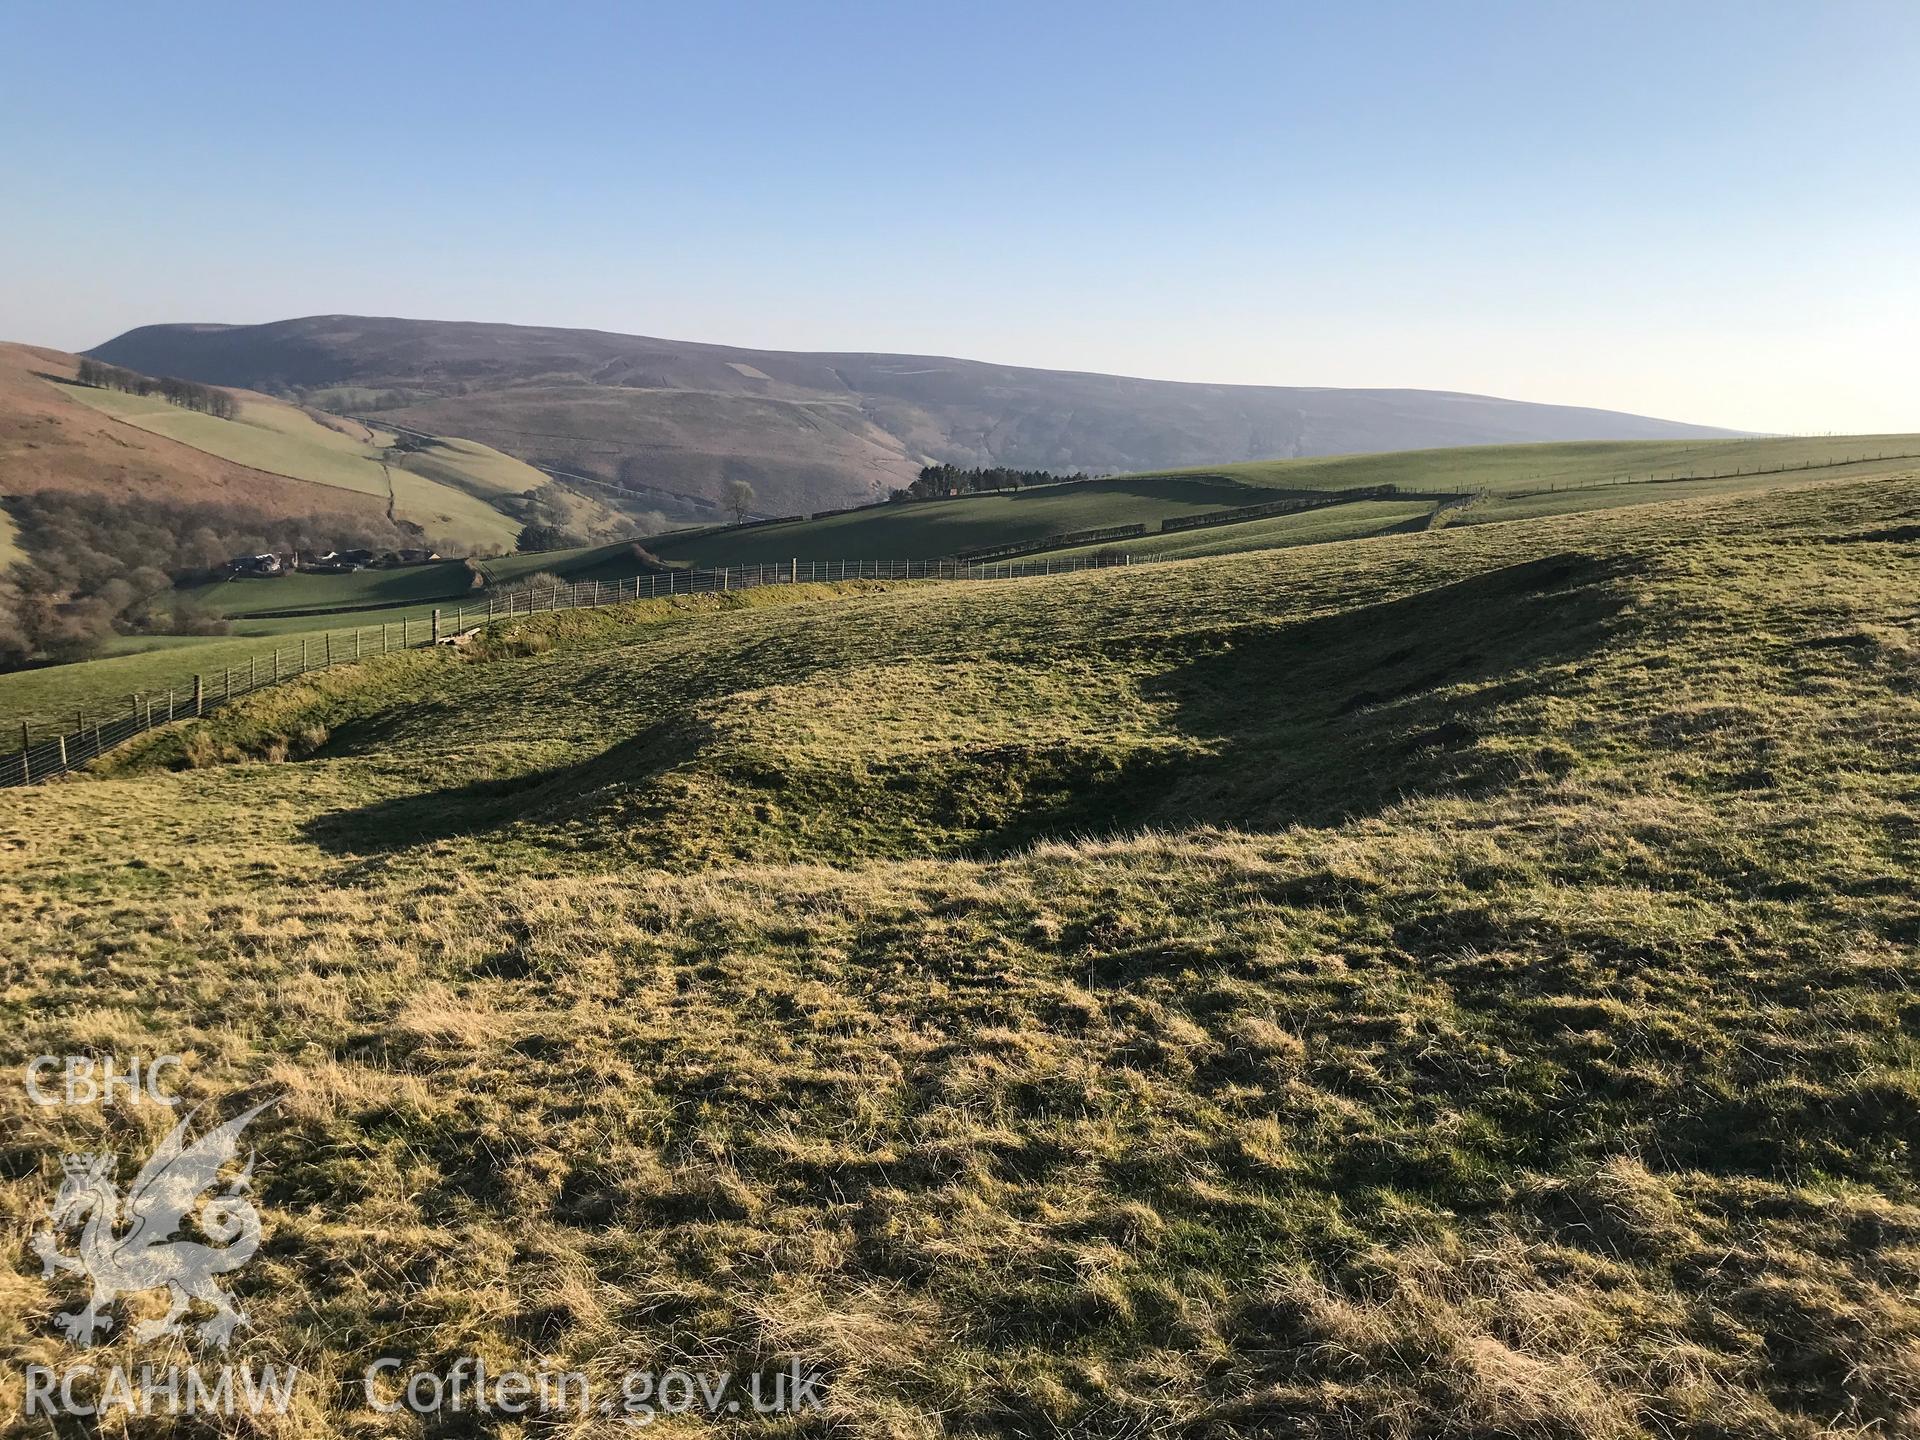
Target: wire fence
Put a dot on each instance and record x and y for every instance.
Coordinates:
(1676, 477)
(84, 738)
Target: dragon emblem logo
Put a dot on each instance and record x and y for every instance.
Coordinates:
(129, 1244)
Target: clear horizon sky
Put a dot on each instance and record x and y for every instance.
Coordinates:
(1705, 211)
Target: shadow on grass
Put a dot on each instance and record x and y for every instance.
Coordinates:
(487, 805)
(1321, 722)
(1271, 724)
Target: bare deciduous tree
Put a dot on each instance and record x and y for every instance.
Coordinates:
(739, 498)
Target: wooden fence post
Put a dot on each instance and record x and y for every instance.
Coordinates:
(199, 705)
(327, 639)
(793, 575)
(303, 654)
(63, 754)
(26, 765)
(436, 626)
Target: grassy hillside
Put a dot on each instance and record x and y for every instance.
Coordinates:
(266, 436)
(1455, 984)
(1519, 480)
(435, 493)
(50, 440)
(470, 466)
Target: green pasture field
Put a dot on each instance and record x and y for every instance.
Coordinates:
(1504, 469)
(1352, 521)
(928, 529)
(50, 697)
(318, 593)
(1607, 497)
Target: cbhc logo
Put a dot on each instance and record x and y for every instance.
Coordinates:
(85, 1080)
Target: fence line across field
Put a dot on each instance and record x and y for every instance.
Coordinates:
(203, 693)
(92, 737)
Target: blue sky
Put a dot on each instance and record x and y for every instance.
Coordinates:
(1705, 211)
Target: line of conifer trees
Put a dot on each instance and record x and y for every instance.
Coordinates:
(936, 481)
(189, 394)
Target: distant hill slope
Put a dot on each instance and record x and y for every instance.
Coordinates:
(279, 458)
(51, 439)
(814, 430)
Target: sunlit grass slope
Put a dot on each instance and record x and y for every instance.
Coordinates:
(1452, 984)
(1352, 521)
(472, 467)
(265, 435)
(444, 497)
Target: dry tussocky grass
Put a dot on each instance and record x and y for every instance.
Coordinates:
(1457, 984)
